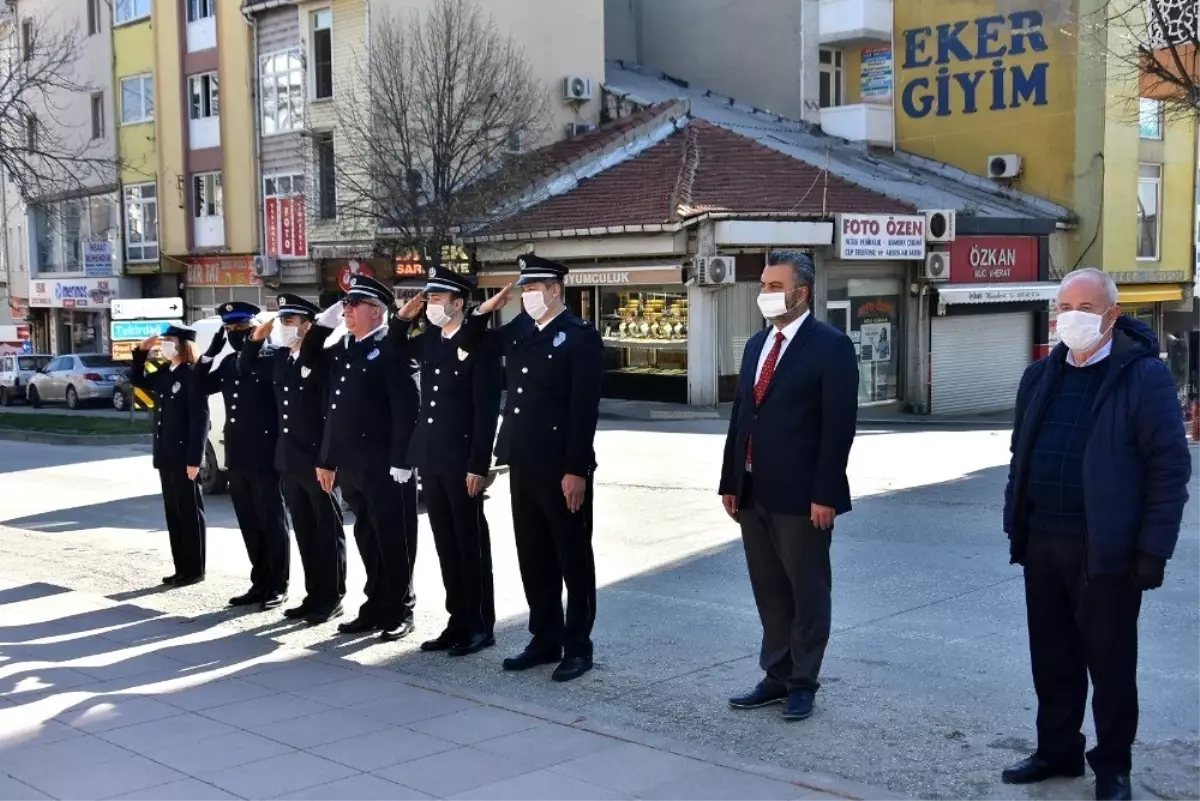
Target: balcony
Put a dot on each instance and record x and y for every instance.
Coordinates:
(202, 34)
(209, 232)
(860, 122)
(204, 132)
(847, 23)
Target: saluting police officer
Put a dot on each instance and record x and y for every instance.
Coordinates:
(300, 377)
(372, 410)
(553, 363)
(452, 449)
(254, 483)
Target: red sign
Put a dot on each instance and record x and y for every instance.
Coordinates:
(221, 271)
(299, 235)
(285, 227)
(350, 269)
(271, 210)
(994, 259)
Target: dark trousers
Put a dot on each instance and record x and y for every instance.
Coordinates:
(788, 559)
(1081, 625)
(464, 548)
(320, 538)
(184, 506)
(554, 546)
(385, 530)
(258, 505)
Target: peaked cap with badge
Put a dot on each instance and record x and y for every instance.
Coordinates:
(184, 333)
(237, 311)
(535, 268)
(443, 279)
(294, 305)
(364, 287)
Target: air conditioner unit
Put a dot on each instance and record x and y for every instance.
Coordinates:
(579, 128)
(936, 268)
(715, 270)
(577, 88)
(1003, 165)
(939, 225)
(265, 267)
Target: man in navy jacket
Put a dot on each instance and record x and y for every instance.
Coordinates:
(783, 478)
(1095, 497)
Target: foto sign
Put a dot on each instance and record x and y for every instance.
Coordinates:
(883, 237)
(137, 330)
(147, 309)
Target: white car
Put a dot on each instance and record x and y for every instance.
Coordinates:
(16, 371)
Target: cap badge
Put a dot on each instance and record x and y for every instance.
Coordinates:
(521, 263)
(433, 272)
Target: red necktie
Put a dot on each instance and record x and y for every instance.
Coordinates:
(764, 380)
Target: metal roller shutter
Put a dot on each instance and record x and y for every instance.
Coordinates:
(978, 360)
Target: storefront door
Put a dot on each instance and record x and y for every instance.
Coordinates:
(837, 314)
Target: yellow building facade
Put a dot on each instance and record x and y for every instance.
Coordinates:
(137, 136)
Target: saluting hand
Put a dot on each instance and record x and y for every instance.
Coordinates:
(325, 479)
(496, 301)
(263, 331)
(411, 310)
(148, 344)
(573, 488)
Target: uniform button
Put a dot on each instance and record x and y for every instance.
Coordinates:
(554, 428)
(520, 390)
(433, 403)
(233, 406)
(524, 369)
(337, 392)
(285, 403)
(285, 417)
(343, 378)
(437, 371)
(233, 419)
(236, 381)
(549, 355)
(516, 411)
(430, 419)
(435, 387)
(285, 430)
(333, 406)
(285, 389)
(235, 394)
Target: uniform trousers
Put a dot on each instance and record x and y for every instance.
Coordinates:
(258, 505)
(554, 546)
(184, 506)
(460, 532)
(320, 538)
(790, 574)
(385, 530)
(1081, 625)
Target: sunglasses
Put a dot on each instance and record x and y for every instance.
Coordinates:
(353, 303)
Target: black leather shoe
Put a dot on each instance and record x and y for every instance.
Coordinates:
(246, 599)
(187, 581)
(1034, 769)
(298, 612)
(529, 658)
(319, 616)
(443, 642)
(358, 626)
(766, 693)
(572, 668)
(273, 601)
(397, 632)
(1113, 787)
(169, 580)
(799, 705)
(472, 644)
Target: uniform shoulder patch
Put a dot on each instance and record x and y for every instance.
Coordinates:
(582, 323)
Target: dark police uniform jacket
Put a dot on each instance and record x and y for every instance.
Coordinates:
(250, 429)
(301, 399)
(373, 402)
(461, 380)
(180, 412)
(553, 402)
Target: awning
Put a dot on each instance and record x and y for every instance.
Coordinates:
(1149, 293)
(996, 293)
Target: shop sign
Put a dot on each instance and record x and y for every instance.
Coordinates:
(221, 271)
(875, 75)
(284, 220)
(453, 258)
(881, 236)
(994, 259)
(72, 293)
(1149, 276)
(18, 308)
(97, 258)
(123, 351)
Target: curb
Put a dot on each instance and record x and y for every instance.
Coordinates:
(54, 438)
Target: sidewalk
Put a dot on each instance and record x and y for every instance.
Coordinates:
(100, 699)
(648, 411)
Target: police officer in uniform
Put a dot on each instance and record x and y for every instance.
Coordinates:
(452, 449)
(373, 406)
(553, 363)
(250, 434)
(298, 373)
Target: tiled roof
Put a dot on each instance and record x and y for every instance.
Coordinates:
(699, 168)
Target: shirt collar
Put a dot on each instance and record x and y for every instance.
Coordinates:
(381, 326)
(1096, 357)
(789, 330)
(542, 326)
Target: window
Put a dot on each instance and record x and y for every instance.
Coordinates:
(141, 222)
(27, 39)
(32, 362)
(98, 115)
(31, 133)
(62, 228)
(1149, 202)
(206, 195)
(1150, 118)
(322, 54)
(830, 88)
(137, 99)
(93, 17)
(201, 9)
(283, 185)
(205, 96)
(326, 179)
(130, 10)
(281, 79)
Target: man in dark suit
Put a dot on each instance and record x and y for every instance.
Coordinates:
(783, 478)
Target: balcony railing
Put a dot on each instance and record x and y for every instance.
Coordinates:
(860, 122)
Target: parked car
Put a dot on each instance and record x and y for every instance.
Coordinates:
(123, 393)
(15, 372)
(75, 379)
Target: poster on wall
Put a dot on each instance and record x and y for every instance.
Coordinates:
(875, 75)
(876, 344)
(97, 258)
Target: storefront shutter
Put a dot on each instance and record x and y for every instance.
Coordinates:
(978, 361)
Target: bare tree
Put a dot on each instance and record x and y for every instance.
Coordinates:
(44, 154)
(427, 136)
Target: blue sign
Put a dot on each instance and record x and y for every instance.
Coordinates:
(26, 346)
(998, 85)
(125, 330)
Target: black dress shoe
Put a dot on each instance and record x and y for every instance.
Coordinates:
(766, 693)
(1034, 769)
(1113, 787)
(572, 668)
(472, 644)
(318, 616)
(443, 642)
(273, 601)
(169, 580)
(357, 626)
(298, 612)
(187, 581)
(397, 632)
(531, 658)
(246, 599)
(799, 705)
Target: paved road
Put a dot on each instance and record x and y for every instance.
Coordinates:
(926, 682)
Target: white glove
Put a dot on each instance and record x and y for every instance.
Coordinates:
(400, 475)
(331, 317)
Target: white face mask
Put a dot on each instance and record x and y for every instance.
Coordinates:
(168, 349)
(534, 304)
(1080, 330)
(436, 312)
(289, 335)
(773, 305)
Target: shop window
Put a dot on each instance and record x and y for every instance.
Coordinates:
(1149, 196)
(281, 89)
(830, 87)
(870, 311)
(645, 334)
(322, 54)
(1150, 118)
